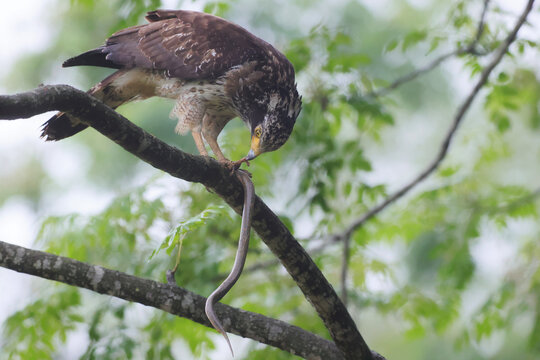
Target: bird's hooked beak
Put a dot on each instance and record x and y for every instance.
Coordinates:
(255, 148)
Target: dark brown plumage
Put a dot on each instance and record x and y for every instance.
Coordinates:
(216, 70)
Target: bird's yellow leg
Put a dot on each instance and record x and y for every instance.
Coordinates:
(212, 142)
(200, 143)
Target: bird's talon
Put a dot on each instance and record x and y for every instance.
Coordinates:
(234, 165)
(238, 163)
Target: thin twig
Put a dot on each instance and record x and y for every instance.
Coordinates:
(416, 73)
(345, 269)
(468, 49)
(481, 24)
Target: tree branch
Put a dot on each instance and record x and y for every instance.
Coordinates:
(172, 299)
(346, 236)
(461, 111)
(211, 174)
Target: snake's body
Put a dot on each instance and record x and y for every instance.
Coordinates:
(241, 253)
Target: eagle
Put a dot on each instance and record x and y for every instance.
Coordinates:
(214, 69)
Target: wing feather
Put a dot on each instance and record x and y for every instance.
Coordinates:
(186, 44)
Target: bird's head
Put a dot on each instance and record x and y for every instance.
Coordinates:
(271, 130)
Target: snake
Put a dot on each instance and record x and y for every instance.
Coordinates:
(240, 258)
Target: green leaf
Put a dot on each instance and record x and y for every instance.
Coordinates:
(501, 121)
(413, 38)
(218, 8)
(503, 77)
(347, 62)
(391, 45)
(434, 44)
(449, 171)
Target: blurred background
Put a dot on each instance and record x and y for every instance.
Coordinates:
(451, 270)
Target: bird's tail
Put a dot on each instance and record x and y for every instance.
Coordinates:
(62, 125)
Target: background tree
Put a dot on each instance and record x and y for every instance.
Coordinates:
(448, 269)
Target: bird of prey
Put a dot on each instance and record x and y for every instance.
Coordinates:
(214, 69)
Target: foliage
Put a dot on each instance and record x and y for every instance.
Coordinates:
(448, 270)
(35, 331)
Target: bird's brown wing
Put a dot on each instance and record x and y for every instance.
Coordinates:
(185, 44)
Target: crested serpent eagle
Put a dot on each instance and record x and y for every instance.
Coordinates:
(214, 69)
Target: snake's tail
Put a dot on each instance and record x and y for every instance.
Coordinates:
(209, 310)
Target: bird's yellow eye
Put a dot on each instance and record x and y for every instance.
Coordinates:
(258, 131)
